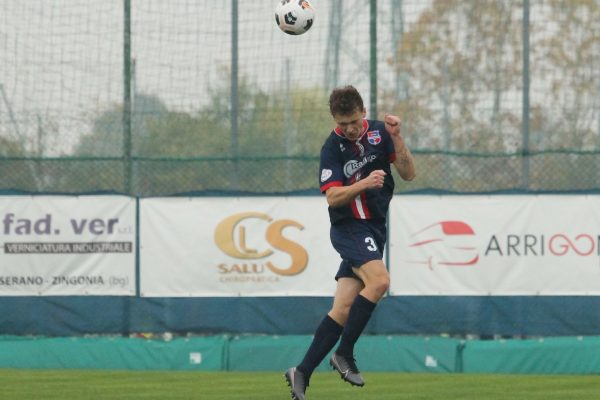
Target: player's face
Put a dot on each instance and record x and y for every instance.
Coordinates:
(351, 125)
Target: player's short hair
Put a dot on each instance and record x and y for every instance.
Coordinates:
(345, 101)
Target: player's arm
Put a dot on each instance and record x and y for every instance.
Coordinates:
(338, 196)
(404, 161)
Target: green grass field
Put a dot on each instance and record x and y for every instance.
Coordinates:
(99, 385)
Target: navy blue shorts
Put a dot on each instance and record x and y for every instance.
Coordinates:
(358, 242)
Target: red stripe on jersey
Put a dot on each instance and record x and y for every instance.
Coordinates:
(392, 157)
(363, 198)
(330, 184)
(353, 204)
(359, 207)
(355, 209)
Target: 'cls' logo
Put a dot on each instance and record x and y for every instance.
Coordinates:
(225, 240)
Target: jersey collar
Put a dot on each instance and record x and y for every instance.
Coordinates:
(365, 124)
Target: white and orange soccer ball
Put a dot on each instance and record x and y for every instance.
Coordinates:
(294, 17)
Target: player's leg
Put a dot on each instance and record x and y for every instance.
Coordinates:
(376, 282)
(345, 293)
(376, 278)
(330, 328)
(326, 336)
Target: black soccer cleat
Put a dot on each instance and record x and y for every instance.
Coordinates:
(297, 383)
(347, 369)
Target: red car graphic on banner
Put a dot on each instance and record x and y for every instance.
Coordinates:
(449, 243)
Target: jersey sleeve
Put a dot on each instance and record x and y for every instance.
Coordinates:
(331, 169)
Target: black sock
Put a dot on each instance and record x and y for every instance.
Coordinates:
(326, 336)
(358, 317)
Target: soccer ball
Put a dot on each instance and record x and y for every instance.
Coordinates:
(294, 17)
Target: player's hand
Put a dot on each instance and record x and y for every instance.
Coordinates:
(375, 179)
(392, 124)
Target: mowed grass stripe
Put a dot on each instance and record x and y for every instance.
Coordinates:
(100, 385)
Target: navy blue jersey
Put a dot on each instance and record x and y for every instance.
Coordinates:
(344, 162)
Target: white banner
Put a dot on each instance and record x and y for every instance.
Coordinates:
(495, 245)
(259, 246)
(67, 245)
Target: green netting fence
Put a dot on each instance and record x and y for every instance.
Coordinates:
(157, 98)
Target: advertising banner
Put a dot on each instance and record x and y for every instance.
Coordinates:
(495, 245)
(67, 245)
(257, 246)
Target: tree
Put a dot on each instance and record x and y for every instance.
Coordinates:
(280, 135)
(463, 66)
(106, 139)
(463, 62)
(15, 171)
(567, 67)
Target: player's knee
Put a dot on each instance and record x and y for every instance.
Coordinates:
(340, 314)
(381, 285)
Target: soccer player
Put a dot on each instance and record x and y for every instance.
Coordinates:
(355, 176)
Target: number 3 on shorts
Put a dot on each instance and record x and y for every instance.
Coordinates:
(372, 246)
